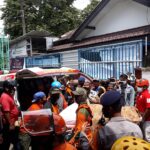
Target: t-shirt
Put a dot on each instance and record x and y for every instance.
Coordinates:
(8, 105)
(143, 102)
(115, 129)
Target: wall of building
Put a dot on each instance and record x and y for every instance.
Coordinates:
(69, 59)
(19, 49)
(49, 42)
(119, 15)
(146, 75)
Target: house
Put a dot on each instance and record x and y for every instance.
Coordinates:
(30, 50)
(113, 39)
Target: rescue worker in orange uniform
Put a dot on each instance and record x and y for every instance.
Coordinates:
(62, 103)
(143, 105)
(83, 117)
(25, 139)
(59, 130)
(56, 101)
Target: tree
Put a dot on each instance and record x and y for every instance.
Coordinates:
(89, 9)
(55, 16)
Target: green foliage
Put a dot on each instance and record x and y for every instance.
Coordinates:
(89, 8)
(55, 16)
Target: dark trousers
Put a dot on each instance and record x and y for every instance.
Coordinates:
(10, 136)
(25, 141)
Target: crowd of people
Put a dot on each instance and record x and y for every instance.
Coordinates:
(114, 132)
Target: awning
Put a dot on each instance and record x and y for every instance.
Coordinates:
(37, 72)
(10, 76)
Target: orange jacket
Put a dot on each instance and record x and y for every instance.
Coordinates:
(84, 115)
(35, 106)
(61, 105)
(55, 109)
(65, 146)
(64, 101)
(69, 91)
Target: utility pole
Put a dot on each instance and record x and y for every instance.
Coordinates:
(22, 16)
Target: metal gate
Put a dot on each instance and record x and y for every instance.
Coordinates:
(103, 62)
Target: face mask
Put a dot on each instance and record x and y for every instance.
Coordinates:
(139, 89)
(54, 98)
(124, 82)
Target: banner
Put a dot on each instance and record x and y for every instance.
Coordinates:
(16, 63)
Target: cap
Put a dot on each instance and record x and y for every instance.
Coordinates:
(37, 96)
(124, 76)
(55, 91)
(110, 98)
(80, 91)
(95, 80)
(81, 79)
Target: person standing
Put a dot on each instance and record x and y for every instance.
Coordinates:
(126, 90)
(38, 142)
(117, 126)
(10, 114)
(59, 142)
(1, 128)
(143, 105)
(55, 102)
(61, 102)
(83, 116)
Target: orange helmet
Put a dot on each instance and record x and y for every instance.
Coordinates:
(59, 124)
(142, 82)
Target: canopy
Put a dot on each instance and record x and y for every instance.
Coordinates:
(36, 71)
(10, 76)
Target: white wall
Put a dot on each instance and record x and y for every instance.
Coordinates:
(19, 49)
(49, 42)
(146, 75)
(119, 15)
(70, 59)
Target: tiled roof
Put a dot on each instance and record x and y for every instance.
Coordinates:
(131, 33)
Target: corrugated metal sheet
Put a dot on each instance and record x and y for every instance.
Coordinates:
(69, 59)
(43, 61)
(111, 60)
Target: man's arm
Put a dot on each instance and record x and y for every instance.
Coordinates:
(7, 117)
(146, 114)
(132, 97)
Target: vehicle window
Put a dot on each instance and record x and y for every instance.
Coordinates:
(27, 87)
